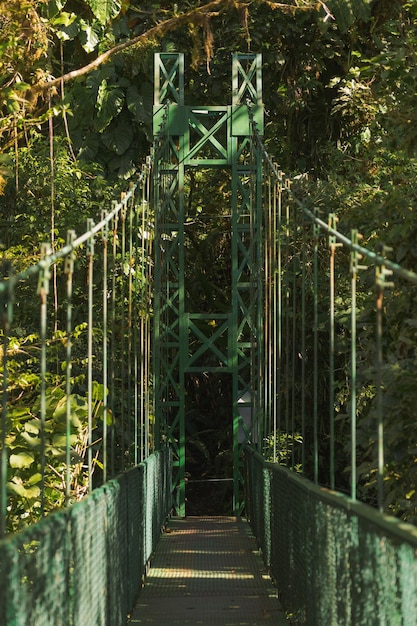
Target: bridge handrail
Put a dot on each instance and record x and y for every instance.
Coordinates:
(385, 523)
(111, 334)
(334, 560)
(52, 257)
(295, 281)
(378, 259)
(85, 564)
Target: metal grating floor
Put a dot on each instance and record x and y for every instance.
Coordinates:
(206, 571)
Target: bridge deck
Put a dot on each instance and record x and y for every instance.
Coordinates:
(208, 571)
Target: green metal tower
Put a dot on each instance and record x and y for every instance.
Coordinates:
(206, 137)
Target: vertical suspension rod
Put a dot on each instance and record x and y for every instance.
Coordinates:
(125, 455)
(105, 234)
(6, 313)
(69, 271)
(332, 248)
(354, 267)
(90, 260)
(315, 353)
(381, 272)
(43, 291)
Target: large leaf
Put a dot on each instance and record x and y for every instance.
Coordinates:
(21, 460)
(94, 79)
(67, 26)
(55, 6)
(110, 100)
(90, 147)
(124, 164)
(33, 426)
(118, 137)
(32, 442)
(345, 12)
(105, 10)
(88, 37)
(60, 441)
(23, 492)
(135, 103)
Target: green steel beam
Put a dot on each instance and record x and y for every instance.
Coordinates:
(214, 136)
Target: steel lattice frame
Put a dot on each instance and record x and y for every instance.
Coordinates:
(216, 136)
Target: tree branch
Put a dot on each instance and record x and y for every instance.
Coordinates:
(289, 8)
(160, 30)
(156, 31)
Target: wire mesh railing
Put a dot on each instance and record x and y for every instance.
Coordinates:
(77, 420)
(76, 380)
(335, 560)
(85, 564)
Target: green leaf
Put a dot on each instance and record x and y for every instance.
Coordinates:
(60, 441)
(21, 460)
(99, 391)
(109, 418)
(18, 414)
(118, 137)
(75, 419)
(33, 427)
(28, 493)
(343, 13)
(110, 100)
(88, 37)
(55, 6)
(89, 151)
(67, 26)
(80, 328)
(34, 479)
(32, 442)
(64, 19)
(53, 396)
(60, 409)
(123, 164)
(105, 10)
(135, 103)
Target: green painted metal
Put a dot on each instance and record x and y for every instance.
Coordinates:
(69, 272)
(332, 294)
(334, 560)
(105, 342)
(207, 137)
(43, 291)
(316, 234)
(85, 564)
(381, 273)
(90, 284)
(354, 269)
(6, 300)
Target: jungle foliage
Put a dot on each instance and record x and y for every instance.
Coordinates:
(339, 81)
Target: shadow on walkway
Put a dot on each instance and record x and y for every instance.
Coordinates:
(208, 571)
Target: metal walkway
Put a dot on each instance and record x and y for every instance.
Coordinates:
(208, 571)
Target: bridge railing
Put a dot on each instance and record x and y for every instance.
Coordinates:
(84, 564)
(339, 410)
(340, 344)
(76, 382)
(335, 560)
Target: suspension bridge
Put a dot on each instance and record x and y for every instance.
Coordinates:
(94, 433)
